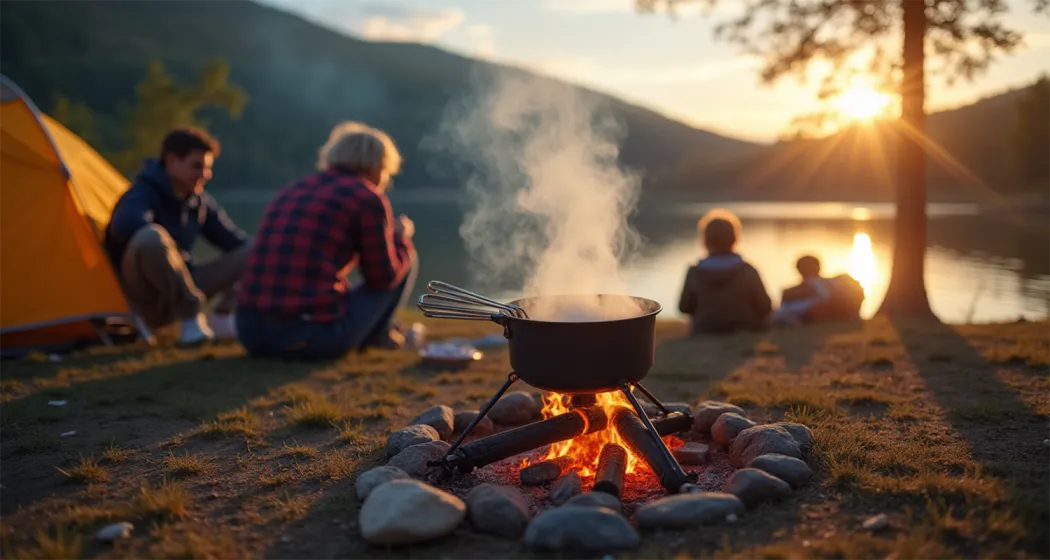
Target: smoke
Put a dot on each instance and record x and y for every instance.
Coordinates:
(549, 202)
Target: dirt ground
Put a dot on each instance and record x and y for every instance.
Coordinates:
(211, 454)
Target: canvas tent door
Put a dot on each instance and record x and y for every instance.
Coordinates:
(57, 287)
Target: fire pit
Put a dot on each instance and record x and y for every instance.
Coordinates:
(593, 363)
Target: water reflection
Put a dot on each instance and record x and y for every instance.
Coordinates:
(862, 265)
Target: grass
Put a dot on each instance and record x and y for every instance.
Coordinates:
(184, 465)
(932, 428)
(87, 470)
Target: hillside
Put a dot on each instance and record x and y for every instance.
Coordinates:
(969, 158)
(300, 79)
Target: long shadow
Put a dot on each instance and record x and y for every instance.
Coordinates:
(1004, 434)
(136, 409)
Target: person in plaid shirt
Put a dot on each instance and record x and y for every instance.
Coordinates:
(296, 300)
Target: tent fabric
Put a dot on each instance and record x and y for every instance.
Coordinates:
(56, 195)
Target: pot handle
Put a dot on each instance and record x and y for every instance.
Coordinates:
(433, 306)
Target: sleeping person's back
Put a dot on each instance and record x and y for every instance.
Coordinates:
(723, 293)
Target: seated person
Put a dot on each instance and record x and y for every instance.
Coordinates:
(296, 301)
(817, 298)
(151, 235)
(722, 293)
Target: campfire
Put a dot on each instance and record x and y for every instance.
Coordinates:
(592, 421)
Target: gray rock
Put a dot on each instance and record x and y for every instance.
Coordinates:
(754, 487)
(728, 426)
(515, 408)
(566, 487)
(706, 413)
(684, 408)
(413, 460)
(802, 434)
(876, 523)
(793, 471)
(408, 436)
(498, 510)
(403, 512)
(582, 529)
(464, 418)
(373, 478)
(595, 500)
(760, 440)
(114, 531)
(692, 453)
(439, 417)
(685, 511)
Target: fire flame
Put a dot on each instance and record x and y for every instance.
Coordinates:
(586, 449)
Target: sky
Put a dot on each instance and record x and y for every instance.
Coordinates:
(671, 65)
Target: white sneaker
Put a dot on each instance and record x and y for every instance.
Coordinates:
(194, 331)
(222, 326)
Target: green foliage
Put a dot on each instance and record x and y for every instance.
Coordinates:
(77, 117)
(1030, 136)
(162, 104)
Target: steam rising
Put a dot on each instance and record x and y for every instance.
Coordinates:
(549, 201)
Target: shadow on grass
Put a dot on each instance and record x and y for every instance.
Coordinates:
(1004, 434)
(136, 408)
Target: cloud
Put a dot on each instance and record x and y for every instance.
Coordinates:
(1036, 40)
(481, 40)
(423, 25)
(685, 8)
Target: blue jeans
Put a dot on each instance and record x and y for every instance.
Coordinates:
(370, 315)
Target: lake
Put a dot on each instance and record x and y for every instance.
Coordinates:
(978, 269)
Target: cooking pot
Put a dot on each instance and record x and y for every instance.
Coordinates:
(589, 356)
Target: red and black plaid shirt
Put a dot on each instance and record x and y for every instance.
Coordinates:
(311, 237)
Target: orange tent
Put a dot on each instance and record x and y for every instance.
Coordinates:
(57, 287)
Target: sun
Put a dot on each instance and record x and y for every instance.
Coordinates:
(861, 102)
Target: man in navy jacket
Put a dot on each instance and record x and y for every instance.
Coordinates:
(151, 234)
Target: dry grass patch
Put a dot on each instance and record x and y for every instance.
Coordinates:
(114, 454)
(289, 507)
(61, 546)
(335, 465)
(88, 515)
(299, 451)
(275, 480)
(87, 470)
(176, 440)
(316, 413)
(238, 423)
(167, 501)
(188, 543)
(185, 465)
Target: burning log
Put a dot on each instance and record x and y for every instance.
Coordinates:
(612, 465)
(673, 423)
(650, 448)
(546, 471)
(484, 451)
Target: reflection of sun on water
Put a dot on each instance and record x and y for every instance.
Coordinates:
(862, 265)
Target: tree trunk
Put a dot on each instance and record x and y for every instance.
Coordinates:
(906, 296)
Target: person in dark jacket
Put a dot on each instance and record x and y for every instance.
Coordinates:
(296, 299)
(152, 232)
(722, 293)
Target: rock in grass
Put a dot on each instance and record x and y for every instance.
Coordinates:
(114, 531)
(498, 510)
(754, 487)
(692, 453)
(684, 511)
(439, 417)
(760, 440)
(595, 500)
(802, 434)
(413, 460)
(728, 426)
(515, 408)
(406, 437)
(706, 413)
(793, 471)
(464, 418)
(566, 487)
(876, 523)
(403, 512)
(373, 478)
(574, 528)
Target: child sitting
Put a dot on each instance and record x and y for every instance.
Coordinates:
(817, 298)
(722, 293)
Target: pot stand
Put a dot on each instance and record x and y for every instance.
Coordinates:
(653, 451)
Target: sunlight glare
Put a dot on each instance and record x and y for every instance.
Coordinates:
(862, 102)
(862, 265)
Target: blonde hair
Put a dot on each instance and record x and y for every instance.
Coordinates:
(719, 229)
(358, 147)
